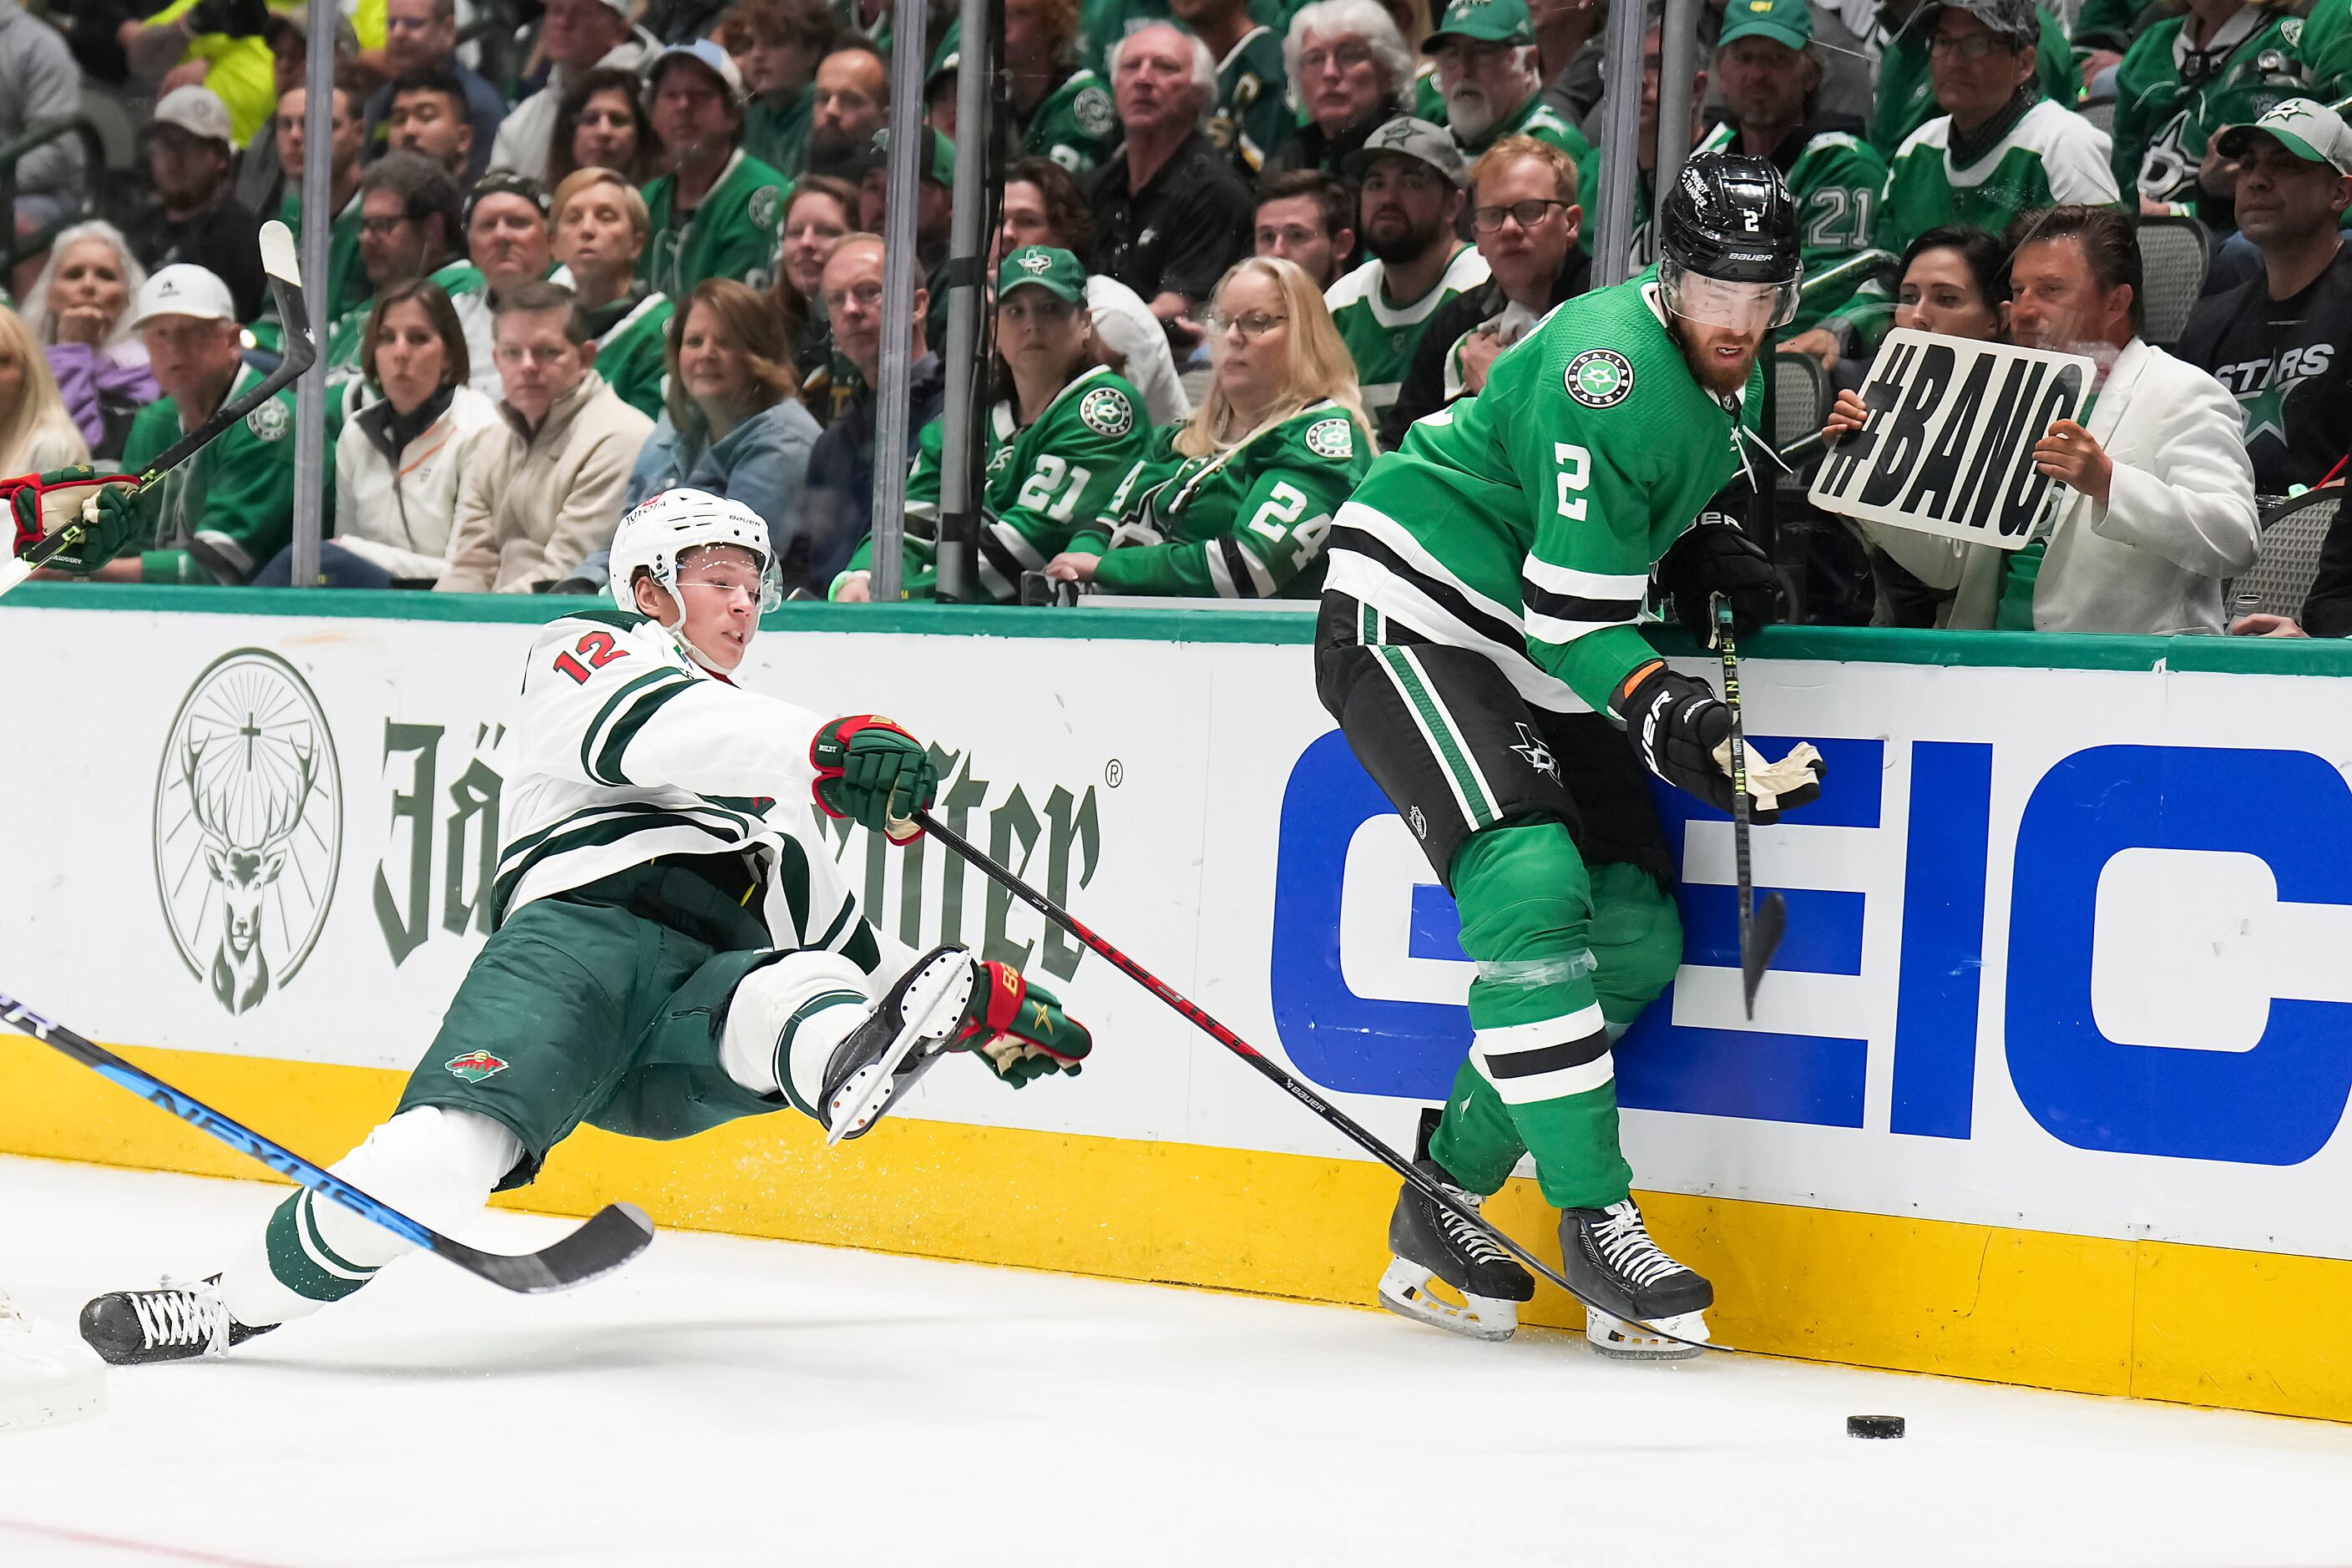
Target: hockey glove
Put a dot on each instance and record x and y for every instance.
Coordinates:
(107, 513)
(873, 772)
(1021, 1031)
(1714, 556)
(1682, 731)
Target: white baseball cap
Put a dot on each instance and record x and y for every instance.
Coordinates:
(2311, 132)
(185, 289)
(702, 52)
(197, 109)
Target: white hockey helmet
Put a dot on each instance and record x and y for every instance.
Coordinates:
(661, 529)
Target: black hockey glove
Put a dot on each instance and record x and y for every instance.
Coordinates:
(1714, 556)
(1682, 731)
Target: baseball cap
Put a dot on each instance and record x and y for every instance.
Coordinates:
(1789, 22)
(1048, 266)
(197, 109)
(1405, 137)
(710, 57)
(937, 155)
(183, 288)
(1484, 21)
(947, 56)
(2311, 132)
(2016, 20)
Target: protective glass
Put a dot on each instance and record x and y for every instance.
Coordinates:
(1716, 302)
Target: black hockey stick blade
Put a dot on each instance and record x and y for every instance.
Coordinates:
(617, 1232)
(1764, 935)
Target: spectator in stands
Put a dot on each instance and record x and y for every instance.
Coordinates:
(427, 115)
(507, 231)
(1172, 214)
(38, 81)
(601, 124)
(79, 310)
(223, 513)
(2280, 342)
(1353, 75)
(261, 184)
(411, 225)
(1523, 212)
(398, 462)
(37, 433)
(195, 219)
(215, 43)
(1063, 109)
(2000, 147)
(1249, 117)
(599, 227)
(1236, 501)
(420, 42)
(575, 37)
(837, 509)
(1907, 97)
(1067, 428)
(777, 44)
(1304, 218)
(733, 424)
(852, 102)
(934, 201)
(546, 489)
(2158, 503)
(1408, 215)
(717, 211)
(347, 283)
(2186, 77)
(821, 214)
(1044, 205)
(1487, 72)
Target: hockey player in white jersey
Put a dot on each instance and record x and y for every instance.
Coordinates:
(667, 954)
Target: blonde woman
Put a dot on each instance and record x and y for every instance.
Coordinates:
(36, 434)
(1235, 500)
(79, 313)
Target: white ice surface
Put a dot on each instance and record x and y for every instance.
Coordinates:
(725, 1401)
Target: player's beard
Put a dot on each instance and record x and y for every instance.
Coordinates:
(1715, 375)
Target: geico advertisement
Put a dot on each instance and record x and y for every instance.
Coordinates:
(2064, 947)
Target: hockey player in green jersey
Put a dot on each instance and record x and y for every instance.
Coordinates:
(668, 953)
(1478, 646)
(1066, 429)
(1235, 501)
(2219, 64)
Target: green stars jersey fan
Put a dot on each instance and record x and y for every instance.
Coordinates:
(2051, 156)
(223, 514)
(1522, 523)
(1906, 99)
(2162, 123)
(1380, 333)
(734, 232)
(1042, 483)
(1247, 523)
(1251, 119)
(1837, 180)
(1074, 124)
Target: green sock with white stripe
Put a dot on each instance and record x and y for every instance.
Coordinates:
(301, 1260)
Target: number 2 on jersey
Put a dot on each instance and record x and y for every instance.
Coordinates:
(1575, 473)
(597, 649)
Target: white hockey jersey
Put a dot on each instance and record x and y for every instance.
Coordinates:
(630, 749)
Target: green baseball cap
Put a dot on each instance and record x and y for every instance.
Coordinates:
(1789, 22)
(1484, 21)
(936, 164)
(1048, 266)
(947, 56)
(2311, 132)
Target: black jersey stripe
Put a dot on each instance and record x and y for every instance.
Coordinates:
(1547, 1058)
(1237, 564)
(1543, 601)
(1440, 593)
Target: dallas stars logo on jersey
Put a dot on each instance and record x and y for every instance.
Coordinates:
(1539, 755)
(1599, 378)
(1107, 412)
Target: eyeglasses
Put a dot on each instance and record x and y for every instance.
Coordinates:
(1253, 323)
(1486, 220)
(382, 227)
(1972, 46)
(867, 294)
(1340, 57)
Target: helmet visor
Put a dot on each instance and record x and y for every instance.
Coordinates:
(767, 588)
(1718, 302)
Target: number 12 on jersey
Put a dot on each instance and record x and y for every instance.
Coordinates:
(597, 649)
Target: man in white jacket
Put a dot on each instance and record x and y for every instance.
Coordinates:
(2158, 508)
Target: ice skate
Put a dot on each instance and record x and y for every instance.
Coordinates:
(173, 1323)
(1431, 1241)
(1611, 1260)
(908, 1029)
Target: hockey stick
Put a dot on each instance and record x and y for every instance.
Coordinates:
(1346, 1125)
(617, 1233)
(301, 350)
(1760, 929)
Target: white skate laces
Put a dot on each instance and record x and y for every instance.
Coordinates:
(1626, 1246)
(1469, 1237)
(181, 1315)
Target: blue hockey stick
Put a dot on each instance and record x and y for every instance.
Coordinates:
(617, 1233)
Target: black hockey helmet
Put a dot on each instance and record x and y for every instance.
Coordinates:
(1729, 218)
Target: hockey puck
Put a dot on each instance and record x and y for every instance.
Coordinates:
(1873, 1425)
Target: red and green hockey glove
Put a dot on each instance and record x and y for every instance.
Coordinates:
(1021, 1032)
(873, 772)
(102, 504)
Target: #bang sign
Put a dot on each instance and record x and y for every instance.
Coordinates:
(1948, 448)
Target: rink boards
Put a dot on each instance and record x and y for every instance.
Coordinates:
(2049, 1085)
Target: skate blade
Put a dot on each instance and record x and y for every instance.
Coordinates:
(937, 998)
(1404, 1290)
(1620, 1340)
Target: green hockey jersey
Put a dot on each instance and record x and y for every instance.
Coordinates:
(2051, 156)
(633, 353)
(2326, 49)
(735, 232)
(776, 127)
(1522, 523)
(347, 280)
(223, 514)
(1381, 334)
(1247, 523)
(1042, 483)
(2162, 123)
(1074, 124)
(1251, 119)
(1837, 180)
(1906, 99)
